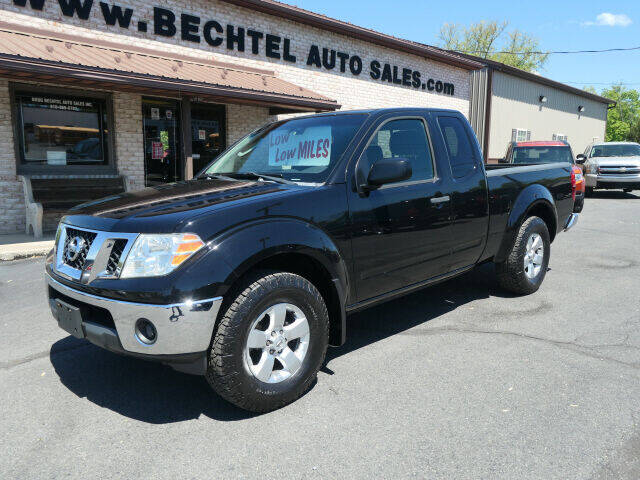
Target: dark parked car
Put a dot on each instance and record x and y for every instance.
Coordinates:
(247, 273)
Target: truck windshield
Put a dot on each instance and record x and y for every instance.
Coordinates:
(542, 155)
(299, 150)
(616, 151)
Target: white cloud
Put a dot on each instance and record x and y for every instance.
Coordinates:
(610, 20)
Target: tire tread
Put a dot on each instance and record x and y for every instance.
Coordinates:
(510, 273)
(221, 375)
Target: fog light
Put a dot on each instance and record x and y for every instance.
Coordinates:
(146, 332)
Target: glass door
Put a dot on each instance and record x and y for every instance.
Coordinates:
(207, 133)
(162, 149)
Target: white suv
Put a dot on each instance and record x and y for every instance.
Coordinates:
(612, 165)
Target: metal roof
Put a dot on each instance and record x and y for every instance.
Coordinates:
(532, 77)
(38, 54)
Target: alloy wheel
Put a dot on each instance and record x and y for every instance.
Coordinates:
(277, 343)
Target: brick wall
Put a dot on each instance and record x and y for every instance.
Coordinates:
(350, 91)
(129, 141)
(11, 197)
(242, 119)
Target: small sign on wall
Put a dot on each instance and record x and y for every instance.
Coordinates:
(155, 114)
(202, 134)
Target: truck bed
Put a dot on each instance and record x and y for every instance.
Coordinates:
(507, 182)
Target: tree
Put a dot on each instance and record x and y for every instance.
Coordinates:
(623, 121)
(487, 40)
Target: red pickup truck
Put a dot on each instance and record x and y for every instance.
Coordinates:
(538, 152)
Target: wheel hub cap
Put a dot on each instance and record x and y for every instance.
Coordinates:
(534, 256)
(277, 343)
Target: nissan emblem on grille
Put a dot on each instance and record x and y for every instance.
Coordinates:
(75, 248)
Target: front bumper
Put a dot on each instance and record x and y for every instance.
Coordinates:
(184, 330)
(612, 181)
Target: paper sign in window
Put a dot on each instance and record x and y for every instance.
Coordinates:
(310, 148)
(157, 151)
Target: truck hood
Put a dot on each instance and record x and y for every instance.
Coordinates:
(615, 161)
(164, 208)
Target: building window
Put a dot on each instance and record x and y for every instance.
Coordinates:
(520, 135)
(560, 137)
(57, 130)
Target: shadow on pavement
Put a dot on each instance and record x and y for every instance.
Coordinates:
(615, 195)
(141, 390)
(372, 325)
(155, 393)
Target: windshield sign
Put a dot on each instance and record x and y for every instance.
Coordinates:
(300, 150)
(311, 148)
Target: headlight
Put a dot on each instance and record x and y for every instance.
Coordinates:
(156, 255)
(592, 168)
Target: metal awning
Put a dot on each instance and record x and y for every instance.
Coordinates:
(26, 53)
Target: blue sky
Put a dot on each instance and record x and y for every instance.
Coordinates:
(560, 25)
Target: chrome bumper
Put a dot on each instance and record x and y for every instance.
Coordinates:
(594, 180)
(571, 221)
(181, 328)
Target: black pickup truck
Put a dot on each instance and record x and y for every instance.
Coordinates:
(247, 273)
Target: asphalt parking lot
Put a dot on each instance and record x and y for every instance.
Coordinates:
(457, 381)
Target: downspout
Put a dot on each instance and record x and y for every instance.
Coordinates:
(487, 114)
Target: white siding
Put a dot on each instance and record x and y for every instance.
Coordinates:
(515, 104)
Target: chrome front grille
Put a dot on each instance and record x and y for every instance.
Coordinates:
(619, 170)
(77, 244)
(113, 264)
(84, 255)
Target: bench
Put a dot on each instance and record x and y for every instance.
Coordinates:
(59, 194)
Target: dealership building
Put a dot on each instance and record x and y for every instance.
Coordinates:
(149, 94)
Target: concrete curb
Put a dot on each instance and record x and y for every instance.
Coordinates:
(17, 251)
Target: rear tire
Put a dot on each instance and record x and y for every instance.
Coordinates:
(261, 377)
(526, 266)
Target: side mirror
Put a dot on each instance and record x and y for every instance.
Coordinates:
(502, 160)
(580, 159)
(389, 170)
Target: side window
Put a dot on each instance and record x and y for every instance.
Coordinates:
(402, 139)
(458, 146)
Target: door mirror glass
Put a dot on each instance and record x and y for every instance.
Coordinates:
(580, 159)
(391, 170)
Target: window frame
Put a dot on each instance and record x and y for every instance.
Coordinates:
(527, 134)
(22, 168)
(404, 183)
(476, 160)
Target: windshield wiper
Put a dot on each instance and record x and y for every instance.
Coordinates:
(277, 177)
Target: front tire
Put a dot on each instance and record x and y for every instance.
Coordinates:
(588, 192)
(270, 343)
(526, 266)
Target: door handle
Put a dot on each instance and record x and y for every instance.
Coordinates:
(437, 200)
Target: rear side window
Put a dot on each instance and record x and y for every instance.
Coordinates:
(406, 139)
(458, 146)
